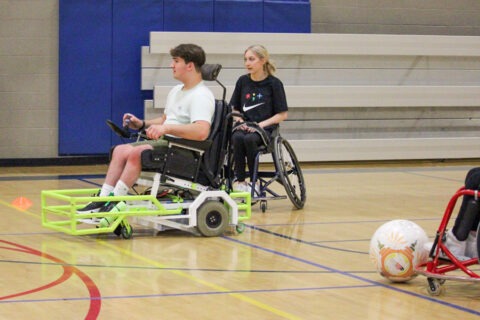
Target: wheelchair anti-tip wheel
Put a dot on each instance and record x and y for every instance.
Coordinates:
(240, 227)
(126, 230)
(434, 287)
(212, 218)
(289, 171)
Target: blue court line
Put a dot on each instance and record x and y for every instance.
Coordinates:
(82, 177)
(345, 273)
(343, 222)
(185, 294)
(387, 169)
(97, 266)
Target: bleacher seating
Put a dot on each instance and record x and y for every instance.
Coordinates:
(352, 97)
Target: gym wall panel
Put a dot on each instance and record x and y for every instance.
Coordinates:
(85, 46)
(238, 16)
(188, 15)
(286, 16)
(132, 23)
(100, 55)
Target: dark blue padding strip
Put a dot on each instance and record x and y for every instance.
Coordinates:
(287, 16)
(85, 51)
(132, 23)
(188, 15)
(100, 54)
(238, 16)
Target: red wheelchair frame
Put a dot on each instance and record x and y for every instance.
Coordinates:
(437, 269)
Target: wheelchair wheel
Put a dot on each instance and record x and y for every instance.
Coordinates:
(478, 242)
(434, 287)
(289, 171)
(212, 218)
(126, 230)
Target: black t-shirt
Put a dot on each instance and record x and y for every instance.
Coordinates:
(259, 100)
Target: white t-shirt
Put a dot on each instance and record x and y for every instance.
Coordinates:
(188, 106)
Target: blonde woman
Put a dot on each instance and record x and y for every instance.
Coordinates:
(260, 97)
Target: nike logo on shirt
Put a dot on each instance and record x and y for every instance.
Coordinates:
(245, 109)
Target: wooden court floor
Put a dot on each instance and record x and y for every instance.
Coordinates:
(287, 264)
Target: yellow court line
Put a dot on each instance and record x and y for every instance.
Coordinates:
(182, 274)
(205, 283)
(18, 209)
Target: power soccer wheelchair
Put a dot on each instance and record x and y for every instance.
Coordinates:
(287, 171)
(185, 188)
(442, 264)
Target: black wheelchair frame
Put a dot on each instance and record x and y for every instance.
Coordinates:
(287, 172)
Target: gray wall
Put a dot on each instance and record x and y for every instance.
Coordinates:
(29, 55)
(422, 17)
(28, 78)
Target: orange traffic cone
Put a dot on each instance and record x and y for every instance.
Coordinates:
(22, 203)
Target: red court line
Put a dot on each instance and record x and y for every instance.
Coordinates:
(68, 271)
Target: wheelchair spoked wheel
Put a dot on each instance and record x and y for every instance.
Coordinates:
(212, 218)
(478, 243)
(289, 171)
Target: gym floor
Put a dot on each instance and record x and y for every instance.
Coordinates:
(288, 264)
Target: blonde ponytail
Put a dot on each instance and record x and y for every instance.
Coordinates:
(262, 53)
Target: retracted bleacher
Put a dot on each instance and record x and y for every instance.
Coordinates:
(352, 97)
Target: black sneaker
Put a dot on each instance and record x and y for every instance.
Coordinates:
(108, 206)
(92, 207)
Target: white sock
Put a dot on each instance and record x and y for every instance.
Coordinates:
(106, 190)
(121, 189)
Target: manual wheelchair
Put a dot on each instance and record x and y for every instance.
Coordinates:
(442, 265)
(287, 171)
(185, 188)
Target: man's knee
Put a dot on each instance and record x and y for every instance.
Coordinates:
(118, 151)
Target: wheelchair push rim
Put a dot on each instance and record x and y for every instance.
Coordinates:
(290, 173)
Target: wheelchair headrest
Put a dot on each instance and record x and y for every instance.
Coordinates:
(211, 71)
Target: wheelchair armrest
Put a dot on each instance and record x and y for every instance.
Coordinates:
(193, 144)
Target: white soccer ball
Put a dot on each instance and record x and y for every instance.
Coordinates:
(396, 248)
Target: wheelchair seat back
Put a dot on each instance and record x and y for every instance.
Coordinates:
(213, 159)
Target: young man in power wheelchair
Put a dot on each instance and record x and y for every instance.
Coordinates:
(185, 189)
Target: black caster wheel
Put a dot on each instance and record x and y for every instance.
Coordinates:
(263, 206)
(124, 229)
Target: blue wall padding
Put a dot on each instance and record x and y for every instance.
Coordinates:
(286, 16)
(85, 47)
(238, 16)
(188, 15)
(100, 54)
(132, 23)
